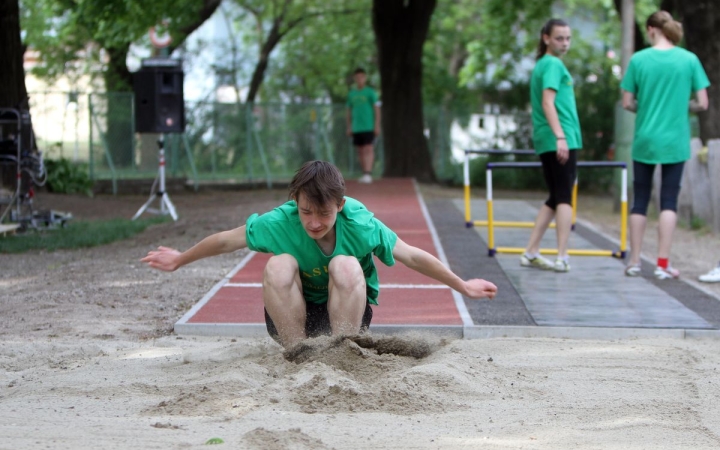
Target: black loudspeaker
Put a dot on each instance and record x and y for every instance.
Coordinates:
(159, 102)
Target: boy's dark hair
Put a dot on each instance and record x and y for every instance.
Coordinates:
(320, 182)
(359, 70)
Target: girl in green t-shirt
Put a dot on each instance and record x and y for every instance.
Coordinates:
(556, 137)
(657, 86)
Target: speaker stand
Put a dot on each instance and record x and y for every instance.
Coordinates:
(166, 206)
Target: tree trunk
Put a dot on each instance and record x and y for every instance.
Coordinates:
(639, 37)
(702, 20)
(401, 27)
(12, 76)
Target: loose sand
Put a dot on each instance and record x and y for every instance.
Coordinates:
(88, 360)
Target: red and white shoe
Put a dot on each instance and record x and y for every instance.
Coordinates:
(667, 273)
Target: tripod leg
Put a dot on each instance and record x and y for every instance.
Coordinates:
(144, 207)
(171, 208)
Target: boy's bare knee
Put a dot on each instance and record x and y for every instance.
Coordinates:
(345, 271)
(280, 270)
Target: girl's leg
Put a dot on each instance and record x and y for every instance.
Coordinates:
(563, 225)
(565, 180)
(547, 211)
(542, 221)
(669, 191)
(637, 231)
(642, 186)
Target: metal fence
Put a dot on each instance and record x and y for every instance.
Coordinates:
(263, 142)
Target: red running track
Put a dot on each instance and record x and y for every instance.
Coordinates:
(407, 298)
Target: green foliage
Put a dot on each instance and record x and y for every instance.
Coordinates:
(504, 39)
(322, 42)
(597, 92)
(697, 223)
(66, 177)
(69, 34)
(523, 179)
(452, 27)
(77, 235)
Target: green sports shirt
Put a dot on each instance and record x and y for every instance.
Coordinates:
(358, 233)
(663, 82)
(362, 109)
(551, 73)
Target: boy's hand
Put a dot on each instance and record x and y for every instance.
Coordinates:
(163, 258)
(478, 288)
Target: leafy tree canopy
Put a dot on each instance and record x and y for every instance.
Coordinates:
(67, 32)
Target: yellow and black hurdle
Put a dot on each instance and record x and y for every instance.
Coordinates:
(491, 223)
(505, 223)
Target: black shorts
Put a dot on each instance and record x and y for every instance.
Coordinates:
(363, 138)
(560, 178)
(317, 321)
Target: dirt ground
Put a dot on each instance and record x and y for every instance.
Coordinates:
(88, 360)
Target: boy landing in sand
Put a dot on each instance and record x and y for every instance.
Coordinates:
(322, 278)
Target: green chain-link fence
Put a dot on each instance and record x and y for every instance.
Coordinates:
(260, 143)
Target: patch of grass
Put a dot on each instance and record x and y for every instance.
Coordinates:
(78, 234)
(696, 223)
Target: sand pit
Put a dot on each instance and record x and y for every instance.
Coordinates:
(497, 393)
(88, 361)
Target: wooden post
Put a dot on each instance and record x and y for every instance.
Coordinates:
(714, 175)
(625, 120)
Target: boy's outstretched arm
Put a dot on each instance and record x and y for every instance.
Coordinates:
(425, 263)
(168, 259)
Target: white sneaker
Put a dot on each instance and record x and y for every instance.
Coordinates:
(538, 262)
(365, 179)
(633, 270)
(666, 274)
(561, 265)
(711, 277)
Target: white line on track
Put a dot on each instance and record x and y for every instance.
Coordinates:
(382, 286)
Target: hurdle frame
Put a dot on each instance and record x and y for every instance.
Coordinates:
(491, 223)
(469, 223)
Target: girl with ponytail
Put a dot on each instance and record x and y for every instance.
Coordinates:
(556, 138)
(657, 86)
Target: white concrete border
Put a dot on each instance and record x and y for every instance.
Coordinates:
(459, 302)
(258, 330)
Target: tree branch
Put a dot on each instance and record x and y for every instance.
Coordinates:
(208, 9)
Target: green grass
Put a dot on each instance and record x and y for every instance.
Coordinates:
(80, 234)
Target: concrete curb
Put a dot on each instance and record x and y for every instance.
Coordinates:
(256, 330)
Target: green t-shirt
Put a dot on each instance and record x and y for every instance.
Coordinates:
(362, 109)
(663, 81)
(551, 73)
(358, 233)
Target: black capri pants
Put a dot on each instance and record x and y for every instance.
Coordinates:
(560, 178)
(669, 187)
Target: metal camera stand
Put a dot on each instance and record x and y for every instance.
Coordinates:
(166, 206)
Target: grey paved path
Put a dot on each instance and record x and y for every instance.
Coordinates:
(594, 294)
